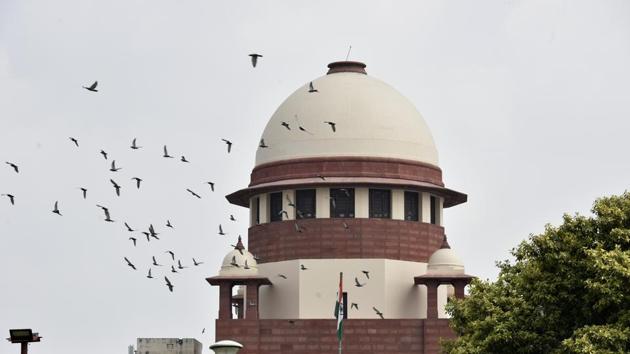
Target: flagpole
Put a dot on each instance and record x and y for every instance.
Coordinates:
(341, 304)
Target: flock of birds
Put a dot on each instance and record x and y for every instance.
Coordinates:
(151, 233)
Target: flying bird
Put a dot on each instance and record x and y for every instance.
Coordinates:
(367, 273)
(113, 168)
(116, 186)
(15, 167)
(254, 58)
(196, 263)
(11, 198)
(203, 331)
(166, 153)
(138, 180)
(148, 236)
(284, 212)
(179, 265)
(232, 218)
(354, 305)
(155, 263)
(130, 264)
(289, 201)
(168, 283)
(171, 253)
(193, 193)
(211, 185)
(229, 145)
(357, 284)
(379, 313)
(92, 87)
(262, 144)
(282, 276)
(74, 140)
(168, 224)
(129, 228)
(221, 230)
(152, 231)
(173, 269)
(302, 267)
(133, 239)
(149, 275)
(104, 154)
(183, 159)
(134, 146)
(56, 209)
(311, 89)
(84, 190)
(107, 217)
(333, 126)
(286, 125)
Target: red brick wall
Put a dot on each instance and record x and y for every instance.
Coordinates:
(327, 238)
(391, 336)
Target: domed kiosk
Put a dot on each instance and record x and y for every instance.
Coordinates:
(346, 180)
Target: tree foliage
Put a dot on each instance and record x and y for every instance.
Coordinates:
(567, 291)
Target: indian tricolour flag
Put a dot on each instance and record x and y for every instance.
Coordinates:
(339, 309)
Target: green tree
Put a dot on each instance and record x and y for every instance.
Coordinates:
(567, 291)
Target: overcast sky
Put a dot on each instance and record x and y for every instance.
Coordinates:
(528, 102)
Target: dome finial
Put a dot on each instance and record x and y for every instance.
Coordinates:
(346, 67)
(239, 245)
(445, 243)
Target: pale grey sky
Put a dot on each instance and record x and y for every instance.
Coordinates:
(527, 102)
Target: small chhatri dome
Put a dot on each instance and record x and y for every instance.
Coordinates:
(371, 119)
(239, 262)
(444, 261)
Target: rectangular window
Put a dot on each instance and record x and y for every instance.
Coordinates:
(257, 207)
(380, 203)
(305, 203)
(275, 206)
(411, 206)
(433, 210)
(342, 202)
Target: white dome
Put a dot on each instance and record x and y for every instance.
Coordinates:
(372, 120)
(239, 263)
(445, 261)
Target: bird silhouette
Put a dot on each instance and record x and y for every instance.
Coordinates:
(74, 140)
(134, 146)
(168, 224)
(113, 168)
(179, 265)
(166, 153)
(232, 218)
(211, 185)
(193, 193)
(302, 267)
(155, 263)
(56, 209)
(196, 263)
(84, 191)
(221, 230)
(229, 145)
(173, 269)
(289, 201)
(129, 228)
(92, 87)
(203, 331)
(116, 186)
(171, 253)
(284, 213)
(367, 273)
(152, 232)
(282, 276)
(286, 125)
(11, 198)
(183, 159)
(333, 126)
(133, 239)
(107, 217)
(104, 154)
(233, 263)
(15, 167)
(149, 275)
(138, 180)
(130, 264)
(379, 313)
(311, 89)
(357, 284)
(147, 235)
(254, 57)
(168, 283)
(262, 144)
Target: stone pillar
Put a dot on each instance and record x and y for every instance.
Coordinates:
(459, 289)
(432, 300)
(225, 301)
(251, 301)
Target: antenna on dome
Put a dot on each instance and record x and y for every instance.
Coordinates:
(348, 55)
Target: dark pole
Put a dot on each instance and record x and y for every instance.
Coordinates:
(24, 348)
